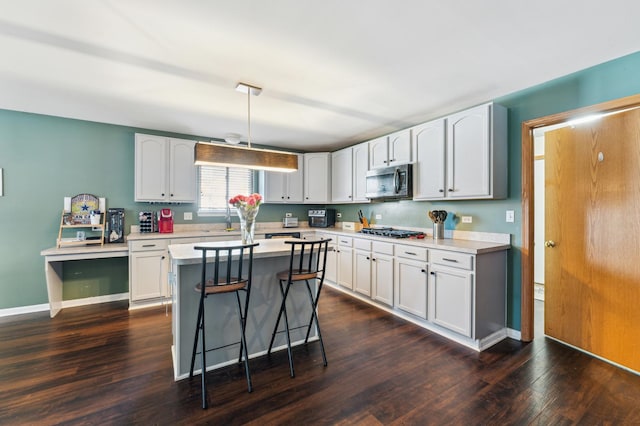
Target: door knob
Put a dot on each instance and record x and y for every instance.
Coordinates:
(549, 243)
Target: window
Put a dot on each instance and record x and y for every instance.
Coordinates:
(218, 184)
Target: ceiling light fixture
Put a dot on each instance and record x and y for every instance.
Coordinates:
(213, 154)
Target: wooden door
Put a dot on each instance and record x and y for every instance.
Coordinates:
(592, 231)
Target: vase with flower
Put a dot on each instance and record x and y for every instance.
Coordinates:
(247, 207)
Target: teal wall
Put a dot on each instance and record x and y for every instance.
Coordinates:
(47, 158)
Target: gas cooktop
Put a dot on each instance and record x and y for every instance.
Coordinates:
(392, 233)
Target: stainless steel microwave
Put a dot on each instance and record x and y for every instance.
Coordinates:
(390, 183)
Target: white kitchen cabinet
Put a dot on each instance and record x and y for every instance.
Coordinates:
(282, 187)
(360, 169)
(429, 141)
(349, 167)
(164, 169)
(317, 178)
(148, 268)
(462, 156)
(382, 272)
(362, 264)
(344, 262)
(390, 150)
(331, 267)
(411, 280)
(451, 298)
(342, 176)
(477, 153)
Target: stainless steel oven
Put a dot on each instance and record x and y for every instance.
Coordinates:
(289, 234)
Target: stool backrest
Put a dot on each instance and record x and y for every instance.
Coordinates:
(312, 257)
(233, 255)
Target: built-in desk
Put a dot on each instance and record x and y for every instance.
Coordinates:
(54, 259)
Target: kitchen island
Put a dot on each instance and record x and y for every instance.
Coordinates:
(221, 317)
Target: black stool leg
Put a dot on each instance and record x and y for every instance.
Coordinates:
(275, 329)
(195, 339)
(204, 366)
(314, 315)
(286, 324)
(243, 343)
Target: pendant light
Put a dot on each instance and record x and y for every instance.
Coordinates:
(215, 154)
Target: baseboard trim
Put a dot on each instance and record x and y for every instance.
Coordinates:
(7, 312)
(94, 300)
(514, 334)
(65, 304)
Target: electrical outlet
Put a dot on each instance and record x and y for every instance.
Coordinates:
(467, 219)
(510, 217)
(288, 215)
(338, 215)
(188, 216)
(378, 217)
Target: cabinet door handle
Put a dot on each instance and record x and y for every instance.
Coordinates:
(423, 270)
(432, 273)
(450, 189)
(374, 259)
(148, 245)
(162, 258)
(440, 190)
(449, 260)
(410, 253)
(368, 258)
(162, 194)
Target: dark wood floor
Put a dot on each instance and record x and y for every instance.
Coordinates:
(105, 365)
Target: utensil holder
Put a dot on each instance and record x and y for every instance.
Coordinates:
(438, 231)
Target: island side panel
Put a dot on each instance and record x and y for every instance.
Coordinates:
(221, 320)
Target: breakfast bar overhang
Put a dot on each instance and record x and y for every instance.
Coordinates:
(222, 329)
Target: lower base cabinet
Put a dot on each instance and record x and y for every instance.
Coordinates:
(382, 277)
(411, 287)
(450, 299)
(148, 268)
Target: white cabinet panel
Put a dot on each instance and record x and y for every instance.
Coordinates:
(362, 272)
(400, 147)
(345, 267)
(451, 299)
(411, 287)
(360, 169)
(382, 278)
(282, 187)
(148, 271)
(317, 178)
(342, 176)
(429, 170)
(390, 150)
(164, 169)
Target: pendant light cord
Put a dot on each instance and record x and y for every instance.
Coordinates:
(249, 115)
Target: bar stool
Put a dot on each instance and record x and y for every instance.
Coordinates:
(231, 280)
(311, 263)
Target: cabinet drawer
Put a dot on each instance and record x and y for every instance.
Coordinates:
(455, 260)
(411, 252)
(147, 245)
(360, 244)
(382, 248)
(345, 241)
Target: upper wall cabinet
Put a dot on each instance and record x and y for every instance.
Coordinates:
(164, 169)
(342, 176)
(349, 168)
(317, 178)
(390, 150)
(463, 156)
(282, 187)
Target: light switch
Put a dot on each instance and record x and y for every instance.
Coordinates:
(467, 219)
(188, 216)
(510, 216)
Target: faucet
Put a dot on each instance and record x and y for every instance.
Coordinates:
(228, 219)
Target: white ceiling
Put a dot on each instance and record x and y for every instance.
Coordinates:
(333, 72)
